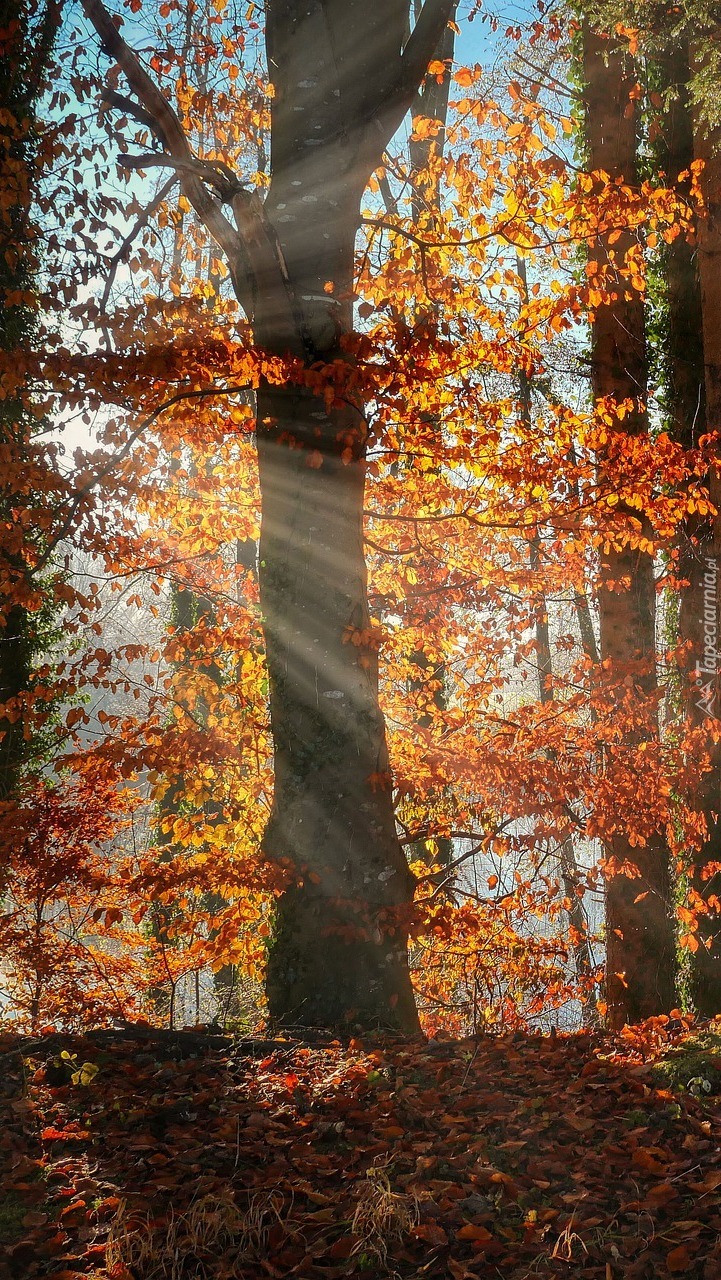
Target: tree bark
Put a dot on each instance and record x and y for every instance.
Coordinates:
(640, 935)
(344, 76)
(339, 950)
(339, 953)
(700, 615)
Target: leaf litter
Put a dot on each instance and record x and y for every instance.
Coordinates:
(147, 1157)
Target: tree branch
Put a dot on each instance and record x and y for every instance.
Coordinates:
(169, 130)
(110, 98)
(420, 47)
(204, 170)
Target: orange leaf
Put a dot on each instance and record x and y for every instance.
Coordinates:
(471, 1232)
(465, 76)
(678, 1259)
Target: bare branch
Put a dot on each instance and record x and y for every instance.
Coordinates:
(142, 221)
(169, 130)
(205, 170)
(110, 98)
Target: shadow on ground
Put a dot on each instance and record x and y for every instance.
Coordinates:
(144, 1157)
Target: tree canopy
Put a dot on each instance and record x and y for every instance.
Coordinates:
(360, 548)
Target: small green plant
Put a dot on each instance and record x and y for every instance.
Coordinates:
(635, 1118)
(693, 1066)
(366, 1262)
(83, 1074)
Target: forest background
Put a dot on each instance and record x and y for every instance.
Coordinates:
(292, 293)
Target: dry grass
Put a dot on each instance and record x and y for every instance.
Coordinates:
(566, 1242)
(382, 1215)
(189, 1245)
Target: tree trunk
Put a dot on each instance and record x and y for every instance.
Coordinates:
(339, 953)
(568, 865)
(26, 38)
(700, 615)
(344, 77)
(338, 956)
(432, 104)
(640, 935)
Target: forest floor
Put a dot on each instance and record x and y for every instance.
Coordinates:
(186, 1156)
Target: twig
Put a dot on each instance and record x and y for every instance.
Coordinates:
(142, 222)
(122, 453)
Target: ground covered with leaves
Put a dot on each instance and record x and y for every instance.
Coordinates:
(142, 1156)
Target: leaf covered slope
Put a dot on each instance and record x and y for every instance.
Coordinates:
(188, 1155)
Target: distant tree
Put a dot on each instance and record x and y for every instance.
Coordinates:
(639, 918)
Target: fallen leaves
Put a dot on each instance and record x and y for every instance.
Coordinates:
(535, 1159)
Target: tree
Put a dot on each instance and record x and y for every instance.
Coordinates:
(343, 81)
(478, 518)
(640, 935)
(689, 331)
(27, 39)
(701, 603)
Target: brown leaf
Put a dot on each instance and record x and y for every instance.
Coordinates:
(644, 1158)
(478, 1234)
(678, 1259)
(431, 1233)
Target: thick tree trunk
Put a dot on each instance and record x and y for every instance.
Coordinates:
(686, 335)
(339, 954)
(640, 935)
(700, 621)
(344, 75)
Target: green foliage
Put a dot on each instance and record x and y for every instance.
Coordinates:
(657, 27)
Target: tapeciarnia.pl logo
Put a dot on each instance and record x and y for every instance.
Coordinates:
(707, 671)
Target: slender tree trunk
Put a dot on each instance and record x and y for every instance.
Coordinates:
(567, 854)
(26, 39)
(432, 105)
(568, 864)
(640, 935)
